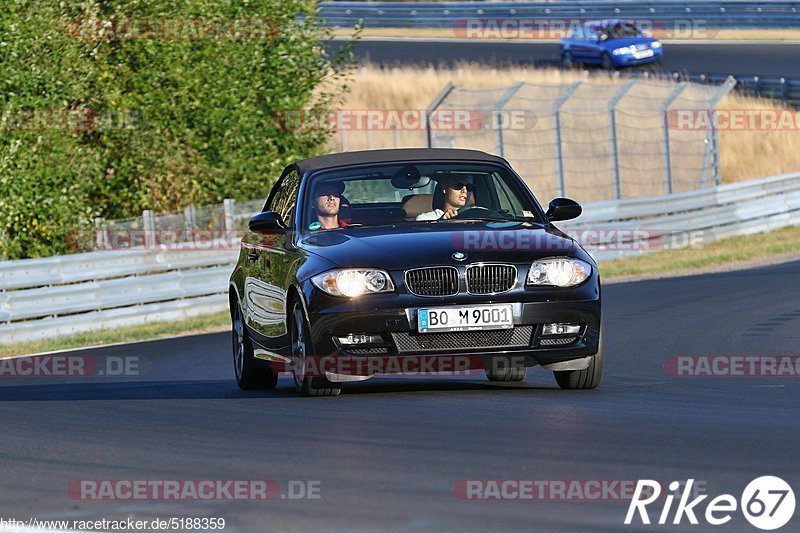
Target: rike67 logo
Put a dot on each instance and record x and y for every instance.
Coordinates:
(767, 503)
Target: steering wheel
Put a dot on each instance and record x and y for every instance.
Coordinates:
(468, 208)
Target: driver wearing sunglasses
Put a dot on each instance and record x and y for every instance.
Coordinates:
(449, 196)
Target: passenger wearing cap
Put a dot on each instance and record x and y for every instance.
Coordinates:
(327, 201)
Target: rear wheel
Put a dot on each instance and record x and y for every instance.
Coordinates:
(589, 377)
(301, 349)
(502, 369)
(250, 374)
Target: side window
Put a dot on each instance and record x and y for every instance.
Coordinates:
(286, 197)
(508, 200)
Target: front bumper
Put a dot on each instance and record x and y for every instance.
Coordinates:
(628, 60)
(393, 317)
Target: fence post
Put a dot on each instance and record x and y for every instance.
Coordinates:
(497, 117)
(556, 110)
(612, 115)
(665, 126)
(230, 222)
(101, 234)
(432, 109)
(190, 217)
(149, 226)
(725, 88)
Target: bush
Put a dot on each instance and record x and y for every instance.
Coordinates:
(104, 115)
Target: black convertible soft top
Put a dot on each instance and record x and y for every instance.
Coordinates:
(399, 155)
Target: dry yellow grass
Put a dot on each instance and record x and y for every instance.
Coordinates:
(744, 154)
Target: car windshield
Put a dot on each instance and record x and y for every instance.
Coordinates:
(621, 30)
(415, 193)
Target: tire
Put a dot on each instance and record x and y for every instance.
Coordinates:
(607, 63)
(588, 378)
(504, 370)
(566, 61)
(301, 347)
(250, 373)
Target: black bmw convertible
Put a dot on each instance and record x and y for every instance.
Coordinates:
(411, 261)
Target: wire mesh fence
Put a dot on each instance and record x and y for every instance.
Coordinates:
(590, 141)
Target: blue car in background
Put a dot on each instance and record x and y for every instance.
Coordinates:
(610, 44)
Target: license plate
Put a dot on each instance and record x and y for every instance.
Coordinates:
(643, 54)
(465, 318)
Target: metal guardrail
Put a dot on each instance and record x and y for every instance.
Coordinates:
(648, 224)
(64, 295)
(720, 14)
(782, 89)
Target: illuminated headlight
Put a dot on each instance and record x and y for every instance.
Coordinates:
(352, 282)
(559, 271)
(655, 45)
(623, 50)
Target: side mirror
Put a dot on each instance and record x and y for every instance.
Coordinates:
(563, 209)
(266, 222)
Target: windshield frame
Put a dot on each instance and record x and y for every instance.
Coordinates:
(514, 181)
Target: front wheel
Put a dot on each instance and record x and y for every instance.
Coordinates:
(250, 374)
(301, 349)
(589, 377)
(607, 63)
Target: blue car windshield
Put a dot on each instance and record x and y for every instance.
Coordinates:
(621, 30)
(413, 193)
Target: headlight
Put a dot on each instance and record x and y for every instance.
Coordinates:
(623, 50)
(352, 282)
(559, 271)
(655, 45)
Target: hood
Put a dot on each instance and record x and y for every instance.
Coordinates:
(611, 44)
(415, 245)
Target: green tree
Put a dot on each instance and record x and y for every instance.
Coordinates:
(111, 107)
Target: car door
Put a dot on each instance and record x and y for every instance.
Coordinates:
(583, 44)
(268, 270)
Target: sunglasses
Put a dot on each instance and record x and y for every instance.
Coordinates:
(458, 186)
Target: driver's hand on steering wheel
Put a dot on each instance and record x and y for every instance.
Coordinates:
(450, 213)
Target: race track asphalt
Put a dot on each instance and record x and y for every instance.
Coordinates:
(741, 58)
(388, 453)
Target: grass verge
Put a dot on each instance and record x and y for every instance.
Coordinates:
(157, 330)
(726, 252)
(723, 252)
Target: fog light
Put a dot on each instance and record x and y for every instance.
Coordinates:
(561, 329)
(356, 339)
